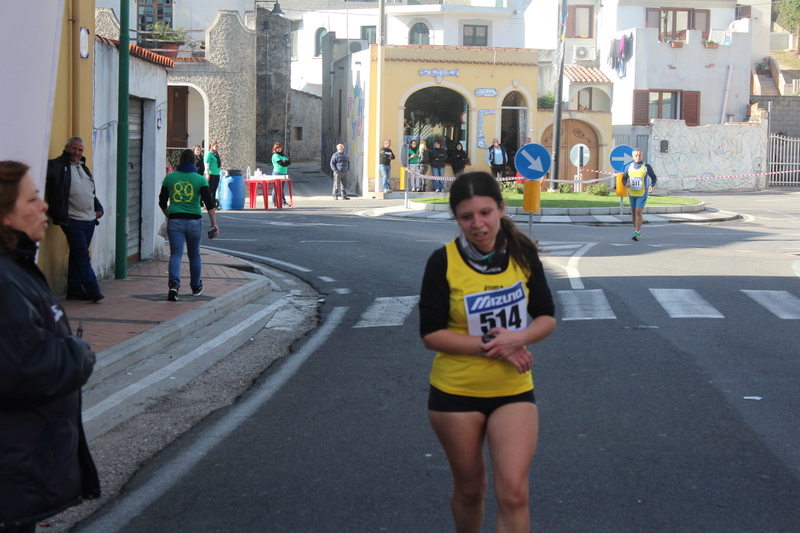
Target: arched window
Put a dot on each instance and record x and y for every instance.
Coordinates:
(321, 32)
(419, 34)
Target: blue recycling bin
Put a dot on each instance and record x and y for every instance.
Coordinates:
(231, 190)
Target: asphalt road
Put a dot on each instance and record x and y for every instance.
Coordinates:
(650, 420)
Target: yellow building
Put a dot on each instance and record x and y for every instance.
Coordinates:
(460, 94)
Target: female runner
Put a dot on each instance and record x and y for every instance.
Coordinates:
(476, 296)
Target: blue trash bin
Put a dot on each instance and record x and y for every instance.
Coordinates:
(231, 190)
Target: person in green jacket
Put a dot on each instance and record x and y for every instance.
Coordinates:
(213, 164)
(413, 165)
(280, 167)
(180, 196)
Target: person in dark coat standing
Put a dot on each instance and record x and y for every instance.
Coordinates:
(71, 194)
(45, 464)
(458, 159)
(340, 165)
(438, 161)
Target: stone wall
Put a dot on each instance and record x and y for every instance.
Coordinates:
(306, 114)
(785, 115)
(697, 153)
(106, 23)
(227, 78)
(273, 83)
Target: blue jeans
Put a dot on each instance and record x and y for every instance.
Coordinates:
(187, 231)
(386, 171)
(438, 185)
(80, 275)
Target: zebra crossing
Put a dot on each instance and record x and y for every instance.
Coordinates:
(592, 304)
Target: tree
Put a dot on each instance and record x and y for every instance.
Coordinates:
(787, 14)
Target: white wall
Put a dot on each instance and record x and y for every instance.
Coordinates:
(196, 122)
(28, 82)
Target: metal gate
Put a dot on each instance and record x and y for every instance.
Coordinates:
(135, 114)
(784, 160)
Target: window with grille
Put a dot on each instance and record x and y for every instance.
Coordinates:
(475, 35)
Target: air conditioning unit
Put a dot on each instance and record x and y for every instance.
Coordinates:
(584, 53)
(357, 46)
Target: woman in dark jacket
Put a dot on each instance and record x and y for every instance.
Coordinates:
(45, 465)
(458, 158)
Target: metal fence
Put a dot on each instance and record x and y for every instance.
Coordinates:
(784, 161)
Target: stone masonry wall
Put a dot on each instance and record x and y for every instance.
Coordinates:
(785, 115)
(306, 114)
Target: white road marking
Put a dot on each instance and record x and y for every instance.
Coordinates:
(780, 303)
(132, 505)
(118, 397)
(585, 305)
(572, 267)
(391, 311)
(685, 303)
(325, 242)
(342, 291)
(259, 258)
(326, 279)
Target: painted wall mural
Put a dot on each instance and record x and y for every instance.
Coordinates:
(481, 137)
(698, 153)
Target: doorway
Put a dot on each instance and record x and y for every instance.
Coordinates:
(574, 132)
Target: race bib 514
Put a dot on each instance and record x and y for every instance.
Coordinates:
(497, 308)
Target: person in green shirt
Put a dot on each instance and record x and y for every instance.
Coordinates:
(280, 167)
(213, 164)
(181, 192)
(413, 165)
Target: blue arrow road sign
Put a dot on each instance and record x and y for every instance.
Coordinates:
(621, 157)
(532, 161)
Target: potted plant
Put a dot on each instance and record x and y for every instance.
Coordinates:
(759, 68)
(676, 43)
(711, 44)
(168, 38)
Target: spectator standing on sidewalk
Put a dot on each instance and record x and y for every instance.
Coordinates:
(640, 179)
(199, 157)
(45, 464)
(280, 167)
(438, 161)
(386, 156)
(458, 159)
(424, 161)
(71, 194)
(340, 165)
(413, 166)
(180, 196)
(213, 164)
(497, 157)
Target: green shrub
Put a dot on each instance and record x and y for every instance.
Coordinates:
(547, 101)
(564, 188)
(598, 189)
(511, 187)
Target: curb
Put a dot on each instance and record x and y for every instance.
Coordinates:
(578, 211)
(129, 352)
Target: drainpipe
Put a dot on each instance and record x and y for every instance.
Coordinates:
(373, 149)
(123, 127)
(727, 92)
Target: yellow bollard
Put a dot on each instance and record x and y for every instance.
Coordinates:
(531, 195)
(622, 191)
(402, 178)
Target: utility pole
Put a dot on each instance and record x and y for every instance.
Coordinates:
(123, 127)
(560, 57)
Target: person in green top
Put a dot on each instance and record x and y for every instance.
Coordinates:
(413, 165)
(181, 192)
(213, 164)
(280, 167)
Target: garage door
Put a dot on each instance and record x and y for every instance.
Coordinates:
(135, 106)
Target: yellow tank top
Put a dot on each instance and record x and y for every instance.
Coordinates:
(479, 302)
(637, 180)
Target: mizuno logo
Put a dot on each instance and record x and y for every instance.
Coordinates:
(494, 299)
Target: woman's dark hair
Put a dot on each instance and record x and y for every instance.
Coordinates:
(11, 173)
(471, 184)
(188, 156)
(276, 146)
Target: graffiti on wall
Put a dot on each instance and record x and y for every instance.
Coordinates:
(694, 153)
(481, 137)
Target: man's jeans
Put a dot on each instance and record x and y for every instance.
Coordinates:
(80, 275)
(386, 171)
(438, 185)
(186, 231)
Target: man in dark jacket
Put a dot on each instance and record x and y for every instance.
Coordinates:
(497, 157)
(70, 192)
(438, 160)
(386, 156)
(340, 164)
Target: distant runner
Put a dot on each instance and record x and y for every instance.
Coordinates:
(640, 179)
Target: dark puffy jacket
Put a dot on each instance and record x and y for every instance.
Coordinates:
(438, 157)
(56, 191)
(45, 464)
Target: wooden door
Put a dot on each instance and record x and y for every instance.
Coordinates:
(178, 117)
(574, 132)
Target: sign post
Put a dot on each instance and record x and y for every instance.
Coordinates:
(532, 162)
(579, 156)
(620, 158)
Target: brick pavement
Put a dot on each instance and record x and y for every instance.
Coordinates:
(138, 303)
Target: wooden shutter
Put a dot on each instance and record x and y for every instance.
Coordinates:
(641, 108)
(690, 107)
(702, 21)
(654, 21)
(743, 12)
(177, 117)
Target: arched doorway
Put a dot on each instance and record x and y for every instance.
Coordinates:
(513, 124)
(574, 132)
(436, 112)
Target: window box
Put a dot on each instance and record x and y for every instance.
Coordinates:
(676, 44)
